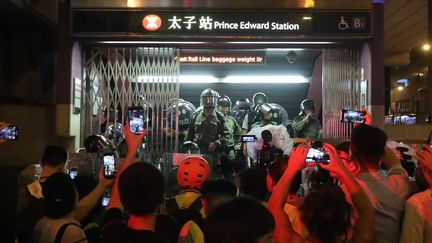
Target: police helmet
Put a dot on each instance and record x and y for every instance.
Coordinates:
(208, 98)
(264, 108)
(95, 144)
(307, 105)
(189, 147)
(259, 98)
(243, 104)
(224, 101)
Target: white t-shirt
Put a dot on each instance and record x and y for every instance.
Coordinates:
(417, 225)
(388, 194)
(245, 124)
(46, 230)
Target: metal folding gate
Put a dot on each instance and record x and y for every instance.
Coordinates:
(341, 89)
(116, 78)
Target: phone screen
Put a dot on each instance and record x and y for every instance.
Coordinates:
(248, 138)
(9, 133)
(105, 200)
(317, 155)
(73, 172)
(349, 116)
(136, 119)
(109, 165)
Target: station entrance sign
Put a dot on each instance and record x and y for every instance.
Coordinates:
(221, 24)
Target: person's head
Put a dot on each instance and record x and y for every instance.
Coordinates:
(307, 107)
(252, 182)
(267, 116)
(141, 188)
(54, 157)
(192, 172)
(224, 104)
(208, 98)
(265, 110)
(325, 213)
(368, 144)
(60, 195)
(189, 147)
(240, 220)
(243, 105)
(275, 172)
(217, 191)
(84, 184)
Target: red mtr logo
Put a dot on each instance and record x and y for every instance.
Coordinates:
(151, 22)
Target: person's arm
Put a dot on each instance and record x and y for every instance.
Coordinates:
(413, 224)
(74, 234)
(87, 203)
(424, 158)
(245, 125)
(133, 142)
(283, 231)
(191, 130)
(364, 226)
(397, 177)
(299, 123)
(223, 134)
(237, 135)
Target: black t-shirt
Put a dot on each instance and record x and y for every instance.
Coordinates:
(115, 229)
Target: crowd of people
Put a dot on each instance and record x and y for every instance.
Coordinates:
(361, 193)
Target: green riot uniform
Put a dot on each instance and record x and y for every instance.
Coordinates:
(309, 128)
(263, 123)
(234, 136)
(205, 130)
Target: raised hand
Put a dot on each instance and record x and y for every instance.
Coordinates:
(297, 158)
(336, 166)
(133, 141)
(424, 157)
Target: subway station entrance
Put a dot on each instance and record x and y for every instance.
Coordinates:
(155, 57)
(162, 59)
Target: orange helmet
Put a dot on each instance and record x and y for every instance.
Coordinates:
(192, 172)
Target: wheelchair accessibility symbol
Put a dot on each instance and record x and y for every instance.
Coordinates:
(343, 25)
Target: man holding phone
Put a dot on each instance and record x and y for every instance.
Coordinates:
(305, 125)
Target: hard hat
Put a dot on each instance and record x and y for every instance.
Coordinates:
(192, 172)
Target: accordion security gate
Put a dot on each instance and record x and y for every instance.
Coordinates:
(341, 89)
(117, 78)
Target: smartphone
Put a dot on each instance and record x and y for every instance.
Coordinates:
(351, 116)
(105, 199)
(317, 154)
(136, 119)
(248, 138)
(9, 133)
(109, 165)
(73, 172)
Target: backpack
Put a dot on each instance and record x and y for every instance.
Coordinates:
(184, 215)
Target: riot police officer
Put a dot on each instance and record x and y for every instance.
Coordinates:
(182, 111)
(265, 112)
(207, 127)
(305, 125)
(253, 116)
(234, 142)
(241, 108)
